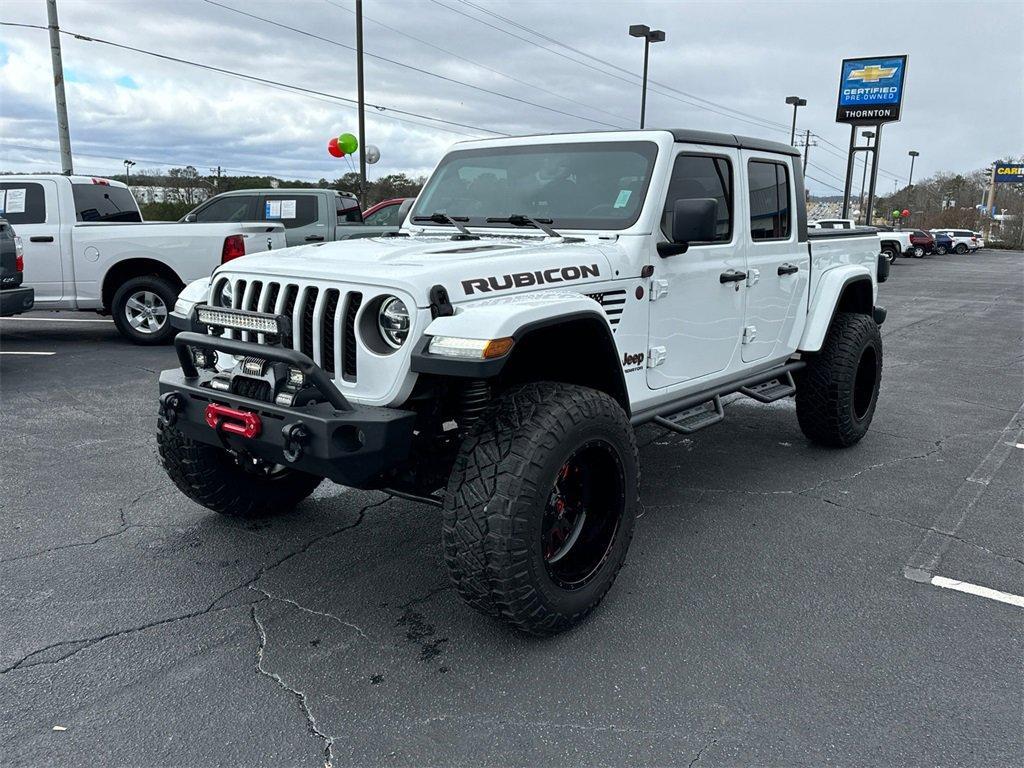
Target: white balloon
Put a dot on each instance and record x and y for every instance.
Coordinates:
(372, 154)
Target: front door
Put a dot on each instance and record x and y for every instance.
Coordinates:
(696, 310)
(31, 208)
(778, 267)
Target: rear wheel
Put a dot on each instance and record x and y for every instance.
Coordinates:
(539, 509)
(837, 392)
(889, 252)
(141, 309)
(918, 252)
(961, 248)
(229, 485)
(941, 250)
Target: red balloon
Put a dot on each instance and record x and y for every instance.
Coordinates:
(333, 149)
(905, 213)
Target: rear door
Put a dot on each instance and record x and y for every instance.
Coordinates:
(778, 266)
(303, 215)
(695, 318)
(31, 208)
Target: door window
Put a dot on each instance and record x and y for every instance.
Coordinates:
(22, 203)
(769, 200)
(697, 177)
(293, 211)
(348, 210)
(231, 208)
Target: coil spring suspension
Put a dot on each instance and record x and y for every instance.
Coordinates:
(475, 397)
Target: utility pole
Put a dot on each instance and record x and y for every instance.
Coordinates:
(216, 184)
(362, 105)
(63, 133)
(807, 148)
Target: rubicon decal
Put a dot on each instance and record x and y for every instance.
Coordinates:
(526, 279)
(632, 362)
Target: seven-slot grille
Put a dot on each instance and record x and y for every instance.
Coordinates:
(612, 302)
(322, 319)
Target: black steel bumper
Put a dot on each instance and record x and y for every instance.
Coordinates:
(14, 301)
(350, 444)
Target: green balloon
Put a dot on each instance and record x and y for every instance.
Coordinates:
(348, 142)
(894, 213)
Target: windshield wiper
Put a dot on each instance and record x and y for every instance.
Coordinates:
(444, 218)
(521, 220)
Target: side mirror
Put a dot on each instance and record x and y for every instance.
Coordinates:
(693, 220)
(190, 217)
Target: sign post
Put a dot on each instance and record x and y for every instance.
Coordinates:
(870, 94)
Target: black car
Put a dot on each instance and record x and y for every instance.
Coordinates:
(13, 298)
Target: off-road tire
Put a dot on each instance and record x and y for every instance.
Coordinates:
(168, 293)
(210, 476)
(961, 248)
(500, 487)
(837, 392)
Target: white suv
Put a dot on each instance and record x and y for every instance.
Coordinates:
(964, 240)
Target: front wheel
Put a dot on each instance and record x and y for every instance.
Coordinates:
(961, 249)
(141, 309)
(837, 392)
(539, 509)
(940, 250)
(227, 484)
(918, 252)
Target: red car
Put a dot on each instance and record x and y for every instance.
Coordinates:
(922, 241)
(388, 213)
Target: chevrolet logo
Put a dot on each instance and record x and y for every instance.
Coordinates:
(872, 73)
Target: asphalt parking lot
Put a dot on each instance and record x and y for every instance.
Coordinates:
(776, 607)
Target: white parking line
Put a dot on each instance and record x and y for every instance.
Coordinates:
(975, 589)
(54, 320)
(43, 354)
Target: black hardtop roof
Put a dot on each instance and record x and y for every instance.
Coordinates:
(690, 136)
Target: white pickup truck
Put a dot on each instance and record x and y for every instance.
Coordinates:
(87, 248)
(545, 296)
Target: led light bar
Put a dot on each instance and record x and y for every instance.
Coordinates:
(241, 321)
(470, 349)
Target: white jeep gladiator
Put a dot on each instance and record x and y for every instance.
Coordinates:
(546, 296)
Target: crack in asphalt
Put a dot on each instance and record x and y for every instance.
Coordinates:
(125, 526)
(925, 528)
(700, 752)
(300, 696)
(87, 642)
(313, 611)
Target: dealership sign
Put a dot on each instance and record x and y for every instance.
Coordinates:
(871, 90)
(1009, 173)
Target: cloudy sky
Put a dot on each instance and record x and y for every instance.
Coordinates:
(543, 67)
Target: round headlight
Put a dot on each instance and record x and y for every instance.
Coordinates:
(393, 321)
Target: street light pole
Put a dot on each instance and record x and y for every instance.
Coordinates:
(797, 102)
(869, 135)
(913, 154)
(650, 36)
(127, 167)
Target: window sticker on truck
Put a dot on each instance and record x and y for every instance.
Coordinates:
(526, 279)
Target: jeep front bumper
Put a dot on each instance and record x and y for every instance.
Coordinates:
(350, 444)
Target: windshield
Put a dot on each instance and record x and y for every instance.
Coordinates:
(598, 185)
(103, 202)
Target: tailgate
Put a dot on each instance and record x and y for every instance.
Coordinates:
(262, 236)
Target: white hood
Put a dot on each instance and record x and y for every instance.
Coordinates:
(468, 269)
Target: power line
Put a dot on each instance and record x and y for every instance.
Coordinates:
(397, 63)
(256, 79)
(475, 63)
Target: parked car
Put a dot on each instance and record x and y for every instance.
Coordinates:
(14, 299)
(308, 215)
(943, 244)
(499, 374)
(389, 213)
(895, 243)
(964, 240)
(87, 248)
(981, 240)
(922, 243)
(832, 224)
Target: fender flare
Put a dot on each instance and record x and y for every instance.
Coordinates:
(519, 317)
(825, 303)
